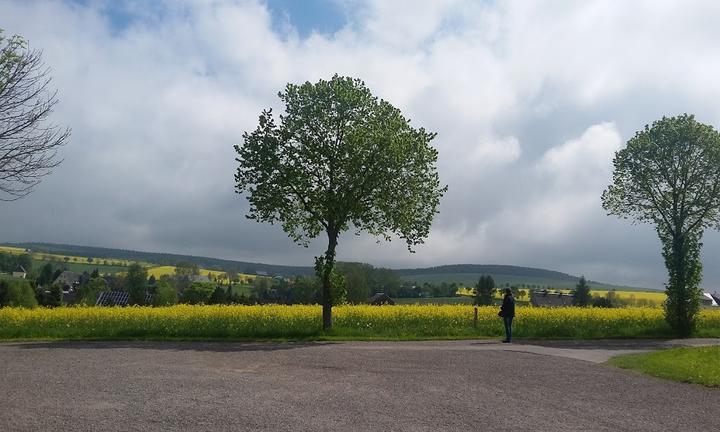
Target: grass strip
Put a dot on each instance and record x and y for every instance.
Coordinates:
(698, 365)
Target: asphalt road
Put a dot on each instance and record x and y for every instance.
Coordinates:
(364, 386)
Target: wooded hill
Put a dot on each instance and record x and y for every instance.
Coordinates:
(465, 274)
(468, 275)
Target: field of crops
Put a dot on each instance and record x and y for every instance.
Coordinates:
(41, 256)
(170, 270)
(351, 322)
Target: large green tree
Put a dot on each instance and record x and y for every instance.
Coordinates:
(669, 175)
(338, 159)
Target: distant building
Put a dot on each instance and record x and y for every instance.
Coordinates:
(261, 273)
(708, 299)
(380, 299)
(546, 299)
(19, 272)
(716, 297)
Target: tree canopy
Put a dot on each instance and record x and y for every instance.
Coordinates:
(669, 175)
(338, 159)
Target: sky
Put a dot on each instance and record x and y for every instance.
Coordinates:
(530, 101)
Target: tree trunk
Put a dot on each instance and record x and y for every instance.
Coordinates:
(327, 268)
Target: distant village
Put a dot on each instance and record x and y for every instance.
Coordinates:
(54, 285)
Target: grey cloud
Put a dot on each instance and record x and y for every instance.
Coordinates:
(156, 107)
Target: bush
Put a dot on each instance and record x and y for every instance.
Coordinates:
(219, 296)
(17, 293)
(51, 296)
(87, 293)
(165, 294)
(198, 293)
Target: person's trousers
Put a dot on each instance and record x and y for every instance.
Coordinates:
(508, 328)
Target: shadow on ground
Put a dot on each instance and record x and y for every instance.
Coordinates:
(219, 346)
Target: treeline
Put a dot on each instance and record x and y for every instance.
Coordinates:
(10, 262)
(489, 269)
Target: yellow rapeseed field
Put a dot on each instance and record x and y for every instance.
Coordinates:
(363, 321)
(170, 270)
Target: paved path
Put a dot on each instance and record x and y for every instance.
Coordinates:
(406, 386)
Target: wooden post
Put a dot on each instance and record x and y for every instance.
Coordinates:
(475, 318)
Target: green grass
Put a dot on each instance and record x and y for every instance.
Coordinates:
(692, 365)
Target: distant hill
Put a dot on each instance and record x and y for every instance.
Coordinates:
(466, 274)
(164, 258)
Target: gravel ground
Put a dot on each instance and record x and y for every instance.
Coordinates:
(408, 386)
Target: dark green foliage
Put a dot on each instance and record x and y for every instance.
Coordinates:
(17, 293)
(306, 290)
(339, 158)
(485, 290)
(25, 261)
(136, 283)
(363, 280)
(581, 295)
(87, 293)
(10, 262)
(165, 293)
(46, 276)
(95, 273)
(49, 295)
(338, 288)
(669, 175)
(261, 289)
(602, 302)
(219, 296)
(198, 293)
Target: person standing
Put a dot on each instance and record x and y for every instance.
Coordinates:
(507, 312)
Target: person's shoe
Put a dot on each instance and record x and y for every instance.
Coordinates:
(506, 341)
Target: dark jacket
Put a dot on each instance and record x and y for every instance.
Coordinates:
(508, 306)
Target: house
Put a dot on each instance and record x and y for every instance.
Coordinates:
(716, 297)
(546, 299)
(708, 299)
(19, 272)
(261, 273)
(68, 280)
(118, 298)
(380, 299)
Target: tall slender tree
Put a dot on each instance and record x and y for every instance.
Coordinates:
(339, 159)
(484, 290)
(669, 175)
(581, 295)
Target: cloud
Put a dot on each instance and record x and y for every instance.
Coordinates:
(530, 101)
